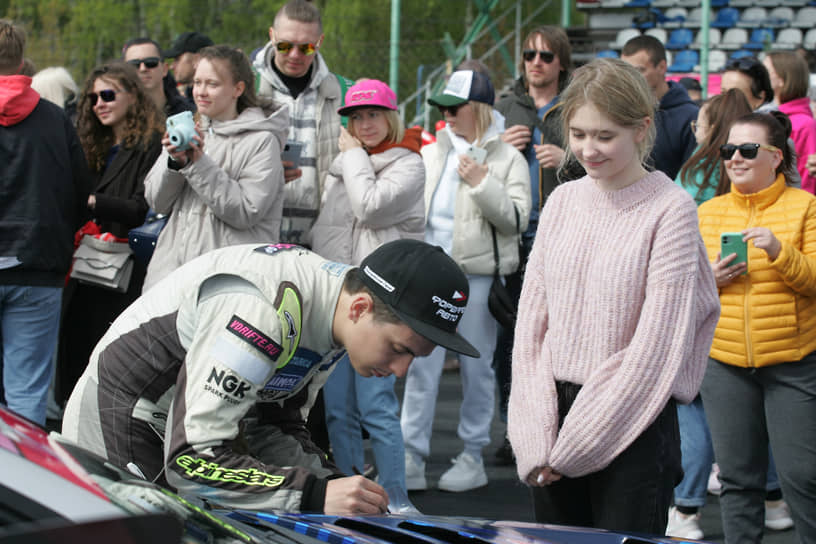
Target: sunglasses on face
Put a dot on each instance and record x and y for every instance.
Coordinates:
(530, 55)
(108, 95)
(743, 64)
(747, 151)
(150, 62)
(453, 110)
(305, 48)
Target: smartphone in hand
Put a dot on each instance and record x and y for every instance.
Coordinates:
(731, 242)
(478, 154)
(291, 152)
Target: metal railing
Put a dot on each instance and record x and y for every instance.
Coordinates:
(436, 78)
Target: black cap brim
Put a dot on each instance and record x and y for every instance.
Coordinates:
(452, 341)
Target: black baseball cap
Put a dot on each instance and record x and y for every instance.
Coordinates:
(465, 85)
(187, 42)
(424, 287)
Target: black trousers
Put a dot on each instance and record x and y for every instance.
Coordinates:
(632, 494)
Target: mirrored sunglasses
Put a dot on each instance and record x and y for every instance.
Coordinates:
(150, 62)
(747, 151)
(305, 48)
(108, 95)
(530, 55)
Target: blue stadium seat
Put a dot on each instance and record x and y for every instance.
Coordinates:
(740, 53)
(680, 38)
(607, 53)
(726, 18)
(760, 37)
(685, 61)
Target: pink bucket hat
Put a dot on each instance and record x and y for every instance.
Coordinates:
(369, 93)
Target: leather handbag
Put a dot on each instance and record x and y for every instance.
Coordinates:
(103, 263)
(142, 239)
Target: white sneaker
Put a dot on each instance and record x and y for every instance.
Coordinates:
(683, 525)
(714, 485)
(414, 474)
(466, 473)
(777, 515)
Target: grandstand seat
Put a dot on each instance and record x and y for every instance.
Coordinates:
(779, 17)
(788, 38)
(638, 4)
(684, 61)
(714, 37)
(760, 37)
(623, 36)
(679, 38)
(688, 3)
(809, 41)
(740, 3)
(726, 18)
(663, 3)
(767, 3)
(795, 3)
(717, 58)
(752, 17)
(741, 53)
(648, 19)
(719, 3)
(733, 38)
(674, 17)
(607, 54)
(695, 18)
(659, 33)
(805, 18)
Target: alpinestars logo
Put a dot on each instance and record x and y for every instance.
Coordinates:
(459, 296)
(208, 470)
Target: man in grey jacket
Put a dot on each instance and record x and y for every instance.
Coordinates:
(290, 70)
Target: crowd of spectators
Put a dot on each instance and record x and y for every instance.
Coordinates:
(637, 342)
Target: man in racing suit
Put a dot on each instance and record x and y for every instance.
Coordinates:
(206, 380)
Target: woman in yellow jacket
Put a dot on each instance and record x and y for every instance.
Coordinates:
(760, 384)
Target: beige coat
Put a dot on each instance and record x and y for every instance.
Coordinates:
(505, 190)
(369, 200)
(231, 195)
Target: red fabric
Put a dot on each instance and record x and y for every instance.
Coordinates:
(412, 141)
(17, 99)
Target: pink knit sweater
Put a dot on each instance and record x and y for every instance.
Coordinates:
(619, 297)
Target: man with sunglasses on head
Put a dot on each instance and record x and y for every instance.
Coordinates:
(291, 71)
(45, 185)
(533, 120)
(675, 140)
(145, 55)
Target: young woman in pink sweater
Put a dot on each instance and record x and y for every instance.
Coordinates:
(615, 321)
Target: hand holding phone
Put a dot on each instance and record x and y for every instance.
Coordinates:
(291, 153)
(732, 243)
(478, 154)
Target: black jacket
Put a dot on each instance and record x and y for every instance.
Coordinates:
(675, 140)
(519, 108)
(119, 190)
(44, 185)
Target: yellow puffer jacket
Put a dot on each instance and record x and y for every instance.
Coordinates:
(768, 316)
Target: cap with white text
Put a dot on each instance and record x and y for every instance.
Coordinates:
(424, 287)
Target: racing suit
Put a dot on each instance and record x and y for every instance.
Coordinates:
(208, 377)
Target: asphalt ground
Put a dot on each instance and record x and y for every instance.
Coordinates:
(505, 498)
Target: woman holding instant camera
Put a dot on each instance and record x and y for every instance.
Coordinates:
(120, 129)
(760, 383)
(220, 180)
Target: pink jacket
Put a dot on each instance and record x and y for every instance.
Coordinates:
(804, 137)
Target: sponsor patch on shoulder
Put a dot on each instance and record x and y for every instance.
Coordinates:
(334, 269)
(272, 249)
(254, 337)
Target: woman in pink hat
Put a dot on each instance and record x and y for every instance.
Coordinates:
(373, 194)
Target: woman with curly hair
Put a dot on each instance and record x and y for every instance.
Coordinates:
(120, 130)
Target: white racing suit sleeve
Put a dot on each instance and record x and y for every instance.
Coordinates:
(236, 346)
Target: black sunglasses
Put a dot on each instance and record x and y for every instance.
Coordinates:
(742, 64)
(451, 109)
(108, 95)
(530, 55)
(150, 62)
(747, 151)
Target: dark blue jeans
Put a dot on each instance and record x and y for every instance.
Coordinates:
(632, 494)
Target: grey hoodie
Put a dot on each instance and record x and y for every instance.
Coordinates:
(231, 195)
